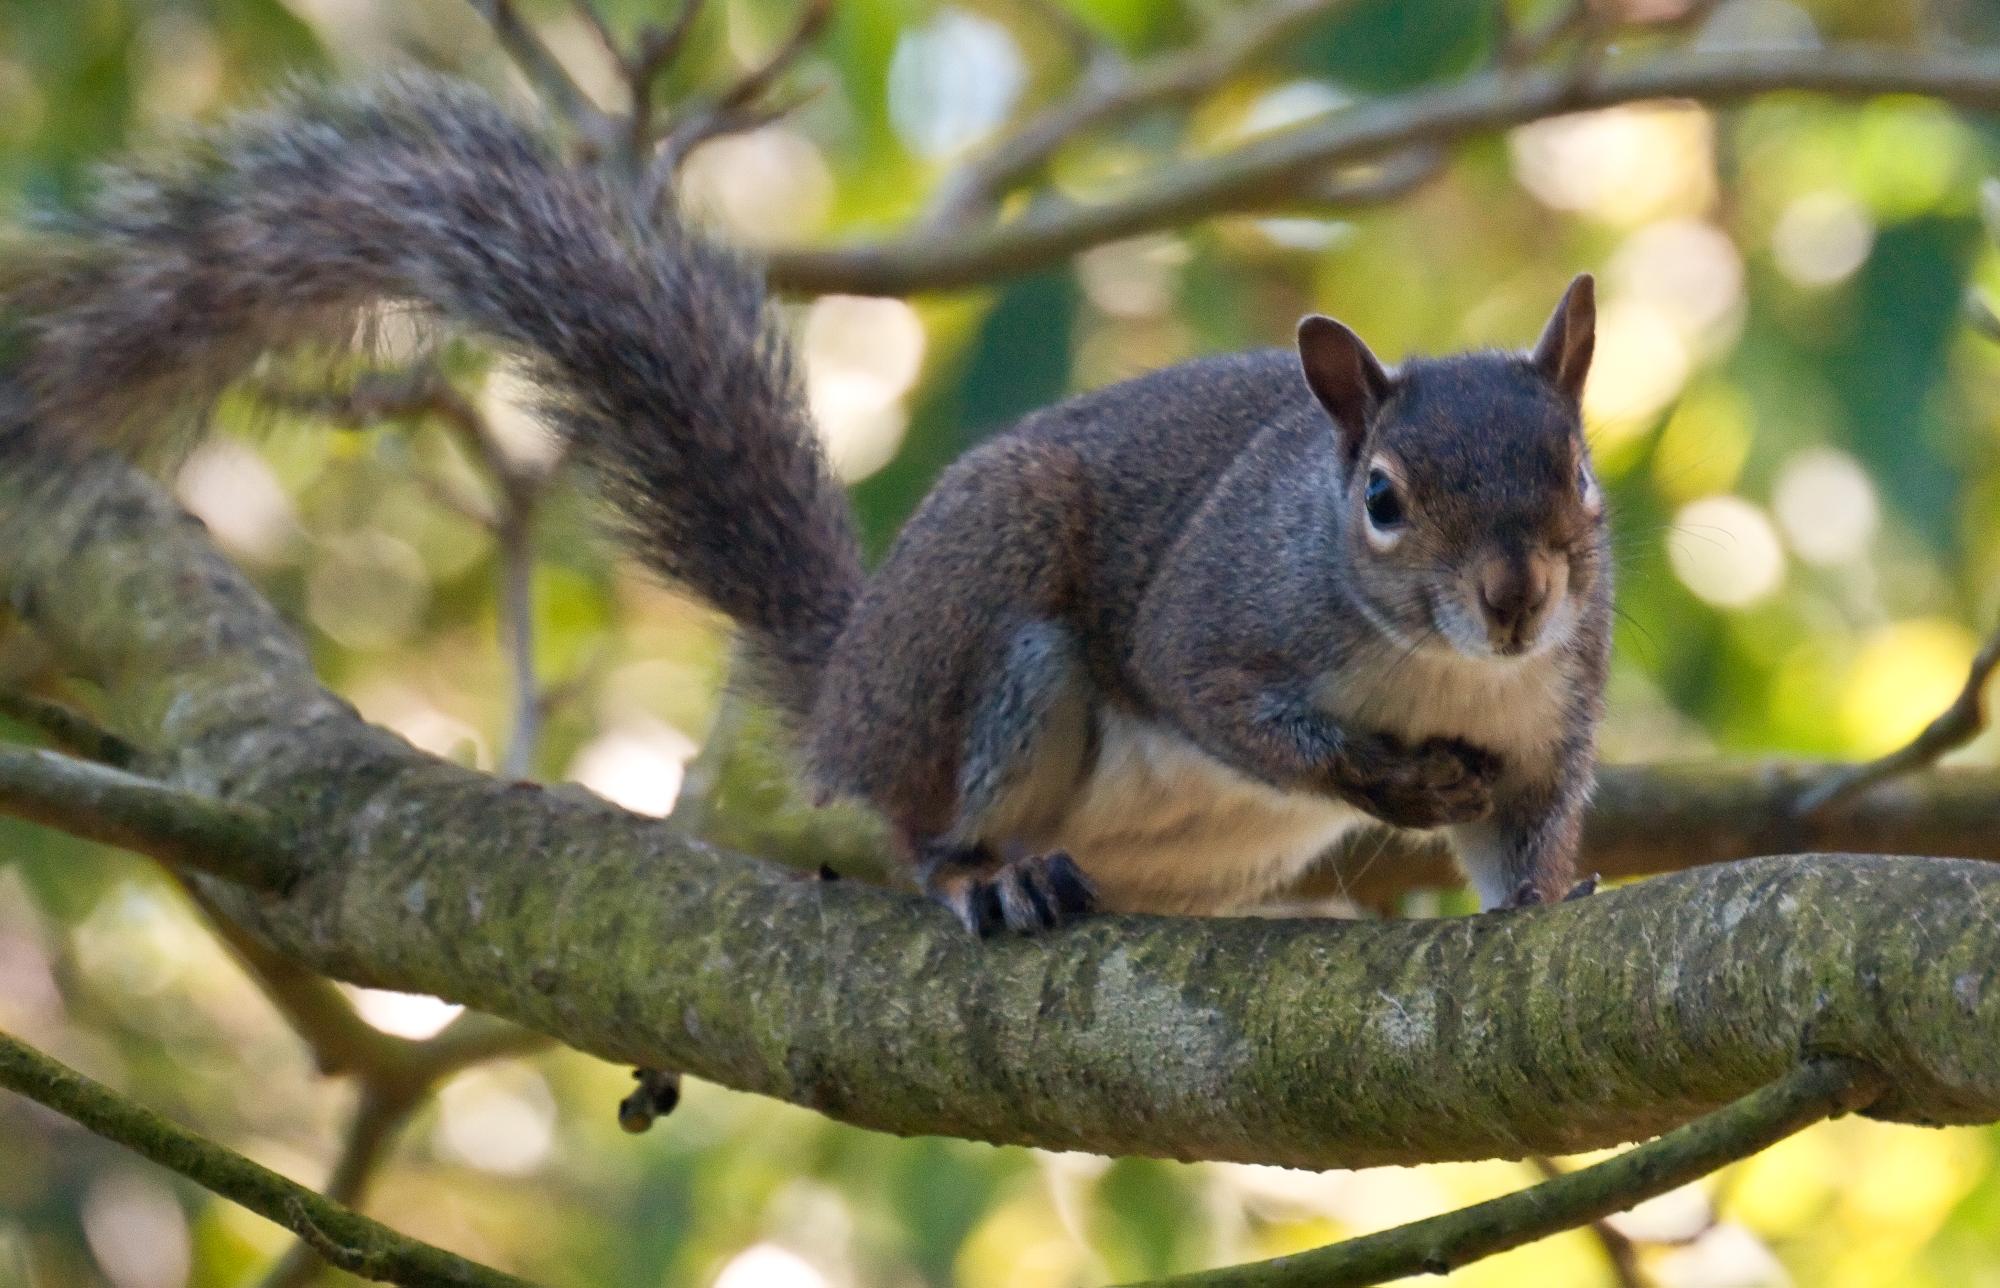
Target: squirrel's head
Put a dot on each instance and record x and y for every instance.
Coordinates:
(1469, 502)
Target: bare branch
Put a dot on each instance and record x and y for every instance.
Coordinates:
(1956, 725)
(543, 69)
(1810, 1092)
(658, 47)
(593, 18)
(99, 803)
(1621, 1255)
(348, 1240)
(752, 84)
(1268, 171)
(69, 729)
(1108, 98)
(423, 391)
(517, 631)
(371, 1132)
(738, 109)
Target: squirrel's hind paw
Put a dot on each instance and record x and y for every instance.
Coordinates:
(1026, 896)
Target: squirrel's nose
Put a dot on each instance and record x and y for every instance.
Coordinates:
(1512, 594)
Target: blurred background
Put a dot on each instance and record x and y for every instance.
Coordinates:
(1800, 433)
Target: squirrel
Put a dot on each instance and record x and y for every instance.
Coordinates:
(1153, 649)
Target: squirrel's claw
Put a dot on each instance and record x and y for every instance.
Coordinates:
(1582, 889)
(1027, 896)
(1528, 894)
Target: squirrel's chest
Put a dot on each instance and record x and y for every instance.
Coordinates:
(1518, 709)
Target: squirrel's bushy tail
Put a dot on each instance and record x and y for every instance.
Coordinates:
(652, 347)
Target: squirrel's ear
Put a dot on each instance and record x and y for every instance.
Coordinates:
(1563, 352)
(1343, 375)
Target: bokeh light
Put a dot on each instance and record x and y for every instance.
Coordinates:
(1826, 505)
(1725, 550)
(1905, 674)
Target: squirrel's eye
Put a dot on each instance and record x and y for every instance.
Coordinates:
(1385, 508)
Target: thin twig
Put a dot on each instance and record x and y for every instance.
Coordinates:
(378, 1117)
(544, 70)
(1956, 725)
(347, 1239)
(752, 84)
(517, 629)
(100, 803)
(1107, 99)
(736, 110)
(593, 18)
(1816, 1089)
(1620, 1253)
(423, 391)
(658, 47)
(69, 729)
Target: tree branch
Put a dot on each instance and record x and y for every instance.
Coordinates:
(1814, 1090)
(394, 1075)
(371, 1133)
(100, 803)
(348, 1240)
(1109, 96)
(423, 392)
(544, 70)
(1270, 170)
(1621, 1255)
(1953, 727)
(1300, 1043)
(70, 730)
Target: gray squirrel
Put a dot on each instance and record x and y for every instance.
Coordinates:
(1153, 649)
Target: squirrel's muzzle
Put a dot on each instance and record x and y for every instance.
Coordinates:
(1517, 594)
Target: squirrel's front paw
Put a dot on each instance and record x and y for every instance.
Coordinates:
(1438, 781)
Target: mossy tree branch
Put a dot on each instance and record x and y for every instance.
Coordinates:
(1816, 1089)
(344, 1238)
(1300, 1043)
(236, 842)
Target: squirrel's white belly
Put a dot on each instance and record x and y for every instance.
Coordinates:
(1161, 826)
